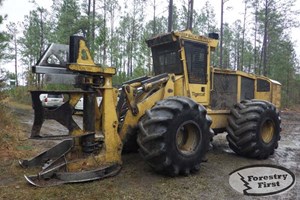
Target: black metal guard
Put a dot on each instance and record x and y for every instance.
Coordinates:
(62, 114)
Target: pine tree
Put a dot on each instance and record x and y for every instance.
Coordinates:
(33, 42)
(4, 39)
(68, 21)
(13, 46)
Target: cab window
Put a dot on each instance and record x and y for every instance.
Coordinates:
(263, 85)
(166, 59)
(196, 57)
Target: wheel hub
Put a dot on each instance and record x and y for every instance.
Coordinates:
(188, 137)
(267, 131)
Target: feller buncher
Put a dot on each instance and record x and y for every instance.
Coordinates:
(173, 115)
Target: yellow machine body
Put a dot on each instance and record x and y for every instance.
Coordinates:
(181, 68)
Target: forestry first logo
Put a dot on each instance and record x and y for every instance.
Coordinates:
(262, 180)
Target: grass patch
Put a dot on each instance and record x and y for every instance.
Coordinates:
(24, 147)
(11, 134)
(20, 94)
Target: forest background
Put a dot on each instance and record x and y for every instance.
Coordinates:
(116, 31)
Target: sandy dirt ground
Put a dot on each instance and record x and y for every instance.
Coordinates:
(138, 181)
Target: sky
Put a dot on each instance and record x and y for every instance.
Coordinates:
(17, 9)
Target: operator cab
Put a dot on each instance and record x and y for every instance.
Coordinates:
(183, 53)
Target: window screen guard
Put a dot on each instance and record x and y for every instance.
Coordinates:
(166, 59)
(196, 57)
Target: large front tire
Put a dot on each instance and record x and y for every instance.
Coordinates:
(174, 136)
(254, 129)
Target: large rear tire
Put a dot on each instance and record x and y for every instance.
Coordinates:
(174, 136)
(254, 129)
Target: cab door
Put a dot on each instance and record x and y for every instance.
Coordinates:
(197, 62)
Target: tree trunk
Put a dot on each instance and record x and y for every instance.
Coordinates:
(93, 25)
(89, 26)
(112, 21)
(41, 43)
(154, 18)
(221, 34)
(105, 39)
(243, 37)
(16, 59)
(265, 42)
(255, 37)
(170, 19)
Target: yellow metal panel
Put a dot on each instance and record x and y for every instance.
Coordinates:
(131, 121)
(178, 86)
(209, 81)
(113, 144)
(169, 88)
(276, 95)
(219, 118)
(239, 88)
(84, 56)
(198, 38)
(92, 68)
(73, 99)
(200, 93)
(230, 71)
(263, 96)
(185, 71)
(85, 63)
